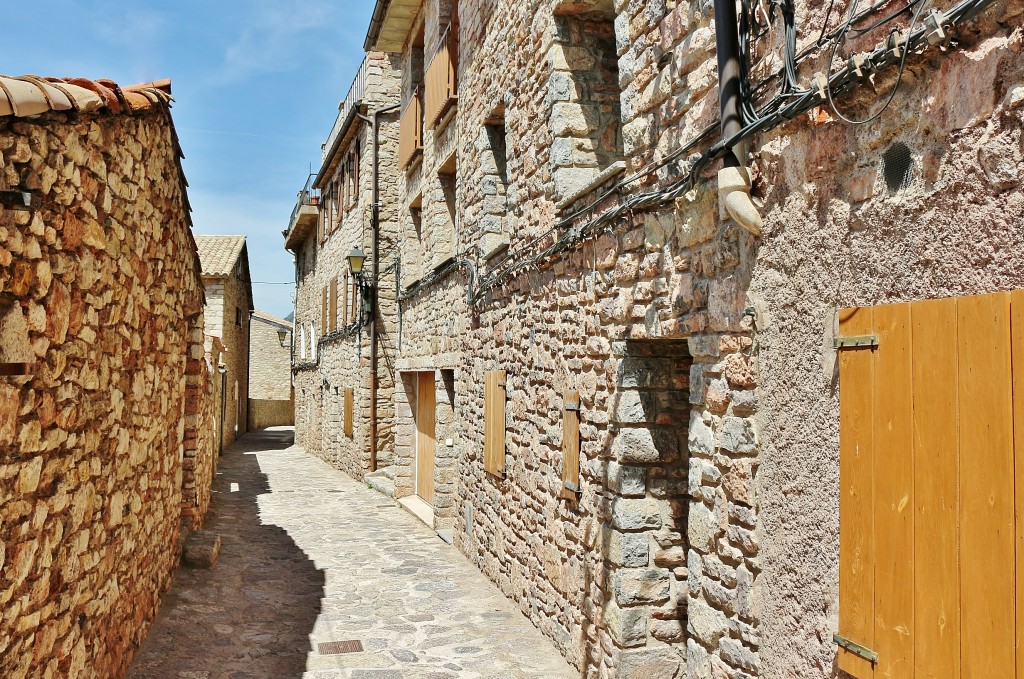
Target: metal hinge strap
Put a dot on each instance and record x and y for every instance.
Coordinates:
(572, 487)
(855, 648)
(855, 342)
(572, 406)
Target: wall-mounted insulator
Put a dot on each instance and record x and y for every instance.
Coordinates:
(896, 44)
(819, 83)
(933, 24)
(857, 62)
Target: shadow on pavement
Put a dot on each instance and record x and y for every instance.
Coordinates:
(251, 615)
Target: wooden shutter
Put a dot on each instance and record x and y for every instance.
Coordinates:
(333, 309)
(323, 313)
(349, 398)
(344, 300)
(354, 310)
(931, 457)
(410, 134)
(570, 444)
(494, 422)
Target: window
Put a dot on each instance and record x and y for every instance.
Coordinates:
(930, 456)
(442, 75)
(302, 343)
(312, 340)
(584, 96)
(324, 310)
(349, 398)
(494, 422)
(410, 136)
(333, 310)
(238, 316)
(494, 236)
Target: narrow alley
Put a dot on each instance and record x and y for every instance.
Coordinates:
(311, 557)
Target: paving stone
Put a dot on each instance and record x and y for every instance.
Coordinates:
(307, 557)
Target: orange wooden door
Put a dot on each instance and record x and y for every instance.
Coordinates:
(931, 479)
(425, 441)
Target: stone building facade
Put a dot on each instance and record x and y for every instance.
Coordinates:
(561, 235)
(270, 372)
(331, 359)
(104, 393)
(229, 307)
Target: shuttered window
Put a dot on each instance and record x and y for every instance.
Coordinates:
(354, 300)
(570, 444)
(931, 578)
(344, 300)
(349, 398)
(323, 312)
(333, 310)
(494, 422)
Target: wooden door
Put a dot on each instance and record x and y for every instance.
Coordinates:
(425, 441)
(931, 478)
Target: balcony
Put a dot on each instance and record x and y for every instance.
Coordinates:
(304, 217)
(346, 112)
(442, 89)
(410, 135)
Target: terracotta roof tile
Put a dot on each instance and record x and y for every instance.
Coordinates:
(30, 95)
(219, 254)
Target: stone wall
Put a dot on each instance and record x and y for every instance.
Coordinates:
(339, 359)
(263, 414)
(104, 275)
(201, 443)
(717, 556)
(228, 319)
(269, 361)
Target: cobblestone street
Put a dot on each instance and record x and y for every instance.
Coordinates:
(310, 556)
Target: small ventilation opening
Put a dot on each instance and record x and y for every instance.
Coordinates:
(898, 166)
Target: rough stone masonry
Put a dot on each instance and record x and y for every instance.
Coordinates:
(100, 293)
(713, 553)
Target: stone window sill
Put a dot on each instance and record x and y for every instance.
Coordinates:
(613, 170)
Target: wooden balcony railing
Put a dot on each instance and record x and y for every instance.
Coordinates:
(442, 88)
(410, 135)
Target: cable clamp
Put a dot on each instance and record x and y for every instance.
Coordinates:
(856, 65)
(820, 82)
(897, 39)
(933, 24)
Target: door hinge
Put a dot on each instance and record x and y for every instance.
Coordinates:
(572, 487)
(855, 342)
(855, 648)
(572, 406)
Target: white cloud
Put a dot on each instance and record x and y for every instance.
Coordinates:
(274, 38)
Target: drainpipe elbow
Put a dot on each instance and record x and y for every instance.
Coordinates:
(734, 191)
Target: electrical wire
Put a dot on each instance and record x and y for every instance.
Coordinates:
(899, 76)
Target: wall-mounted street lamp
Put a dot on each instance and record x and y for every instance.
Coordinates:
(282, 336)
(356, 258)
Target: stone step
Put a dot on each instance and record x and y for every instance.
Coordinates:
(382, 481)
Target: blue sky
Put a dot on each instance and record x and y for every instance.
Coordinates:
(256, 86)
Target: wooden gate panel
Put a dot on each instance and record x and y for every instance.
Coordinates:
(936, 489)
(856, 526)
(894, 490)
(986, 483)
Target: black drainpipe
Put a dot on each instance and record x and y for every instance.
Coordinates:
(727, 43)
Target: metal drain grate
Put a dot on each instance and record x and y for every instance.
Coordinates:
(339, 647)
(898, 166)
